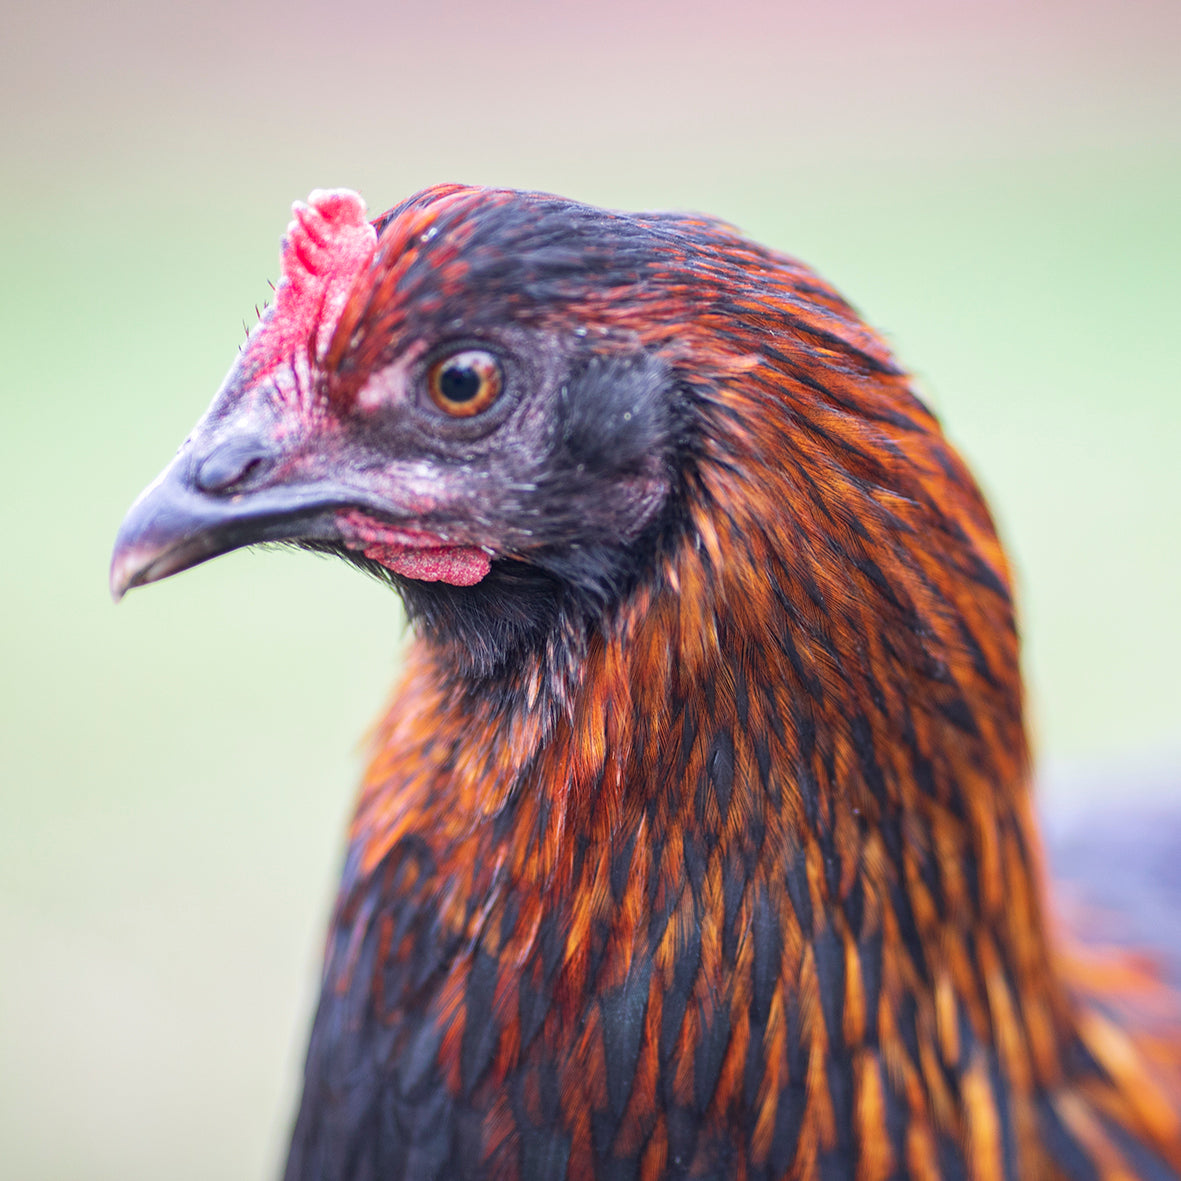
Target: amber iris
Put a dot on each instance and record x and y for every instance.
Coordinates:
(465, 383)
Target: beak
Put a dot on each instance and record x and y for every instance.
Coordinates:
(177, 523)
(241, 492)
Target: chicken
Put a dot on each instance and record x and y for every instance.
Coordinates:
(697, 841)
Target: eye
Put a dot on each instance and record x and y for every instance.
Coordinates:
(465, 383)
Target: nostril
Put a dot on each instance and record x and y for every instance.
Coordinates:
(233, 463)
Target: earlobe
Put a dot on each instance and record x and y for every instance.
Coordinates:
(615, 412)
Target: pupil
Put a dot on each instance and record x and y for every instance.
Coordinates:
(459, 383)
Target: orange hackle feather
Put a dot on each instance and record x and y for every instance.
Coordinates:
(734, 875)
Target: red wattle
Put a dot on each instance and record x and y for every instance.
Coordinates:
(413, 553)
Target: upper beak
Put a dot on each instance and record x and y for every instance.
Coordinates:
(176, 523)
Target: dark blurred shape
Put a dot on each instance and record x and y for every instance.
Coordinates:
(1115, 857)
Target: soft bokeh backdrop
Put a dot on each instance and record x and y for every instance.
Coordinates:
(996, 184)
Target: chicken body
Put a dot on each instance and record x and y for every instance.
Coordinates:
(697, 841)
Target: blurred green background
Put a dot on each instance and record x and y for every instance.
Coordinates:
(996, 185)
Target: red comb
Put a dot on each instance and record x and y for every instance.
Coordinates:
(329, 243)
